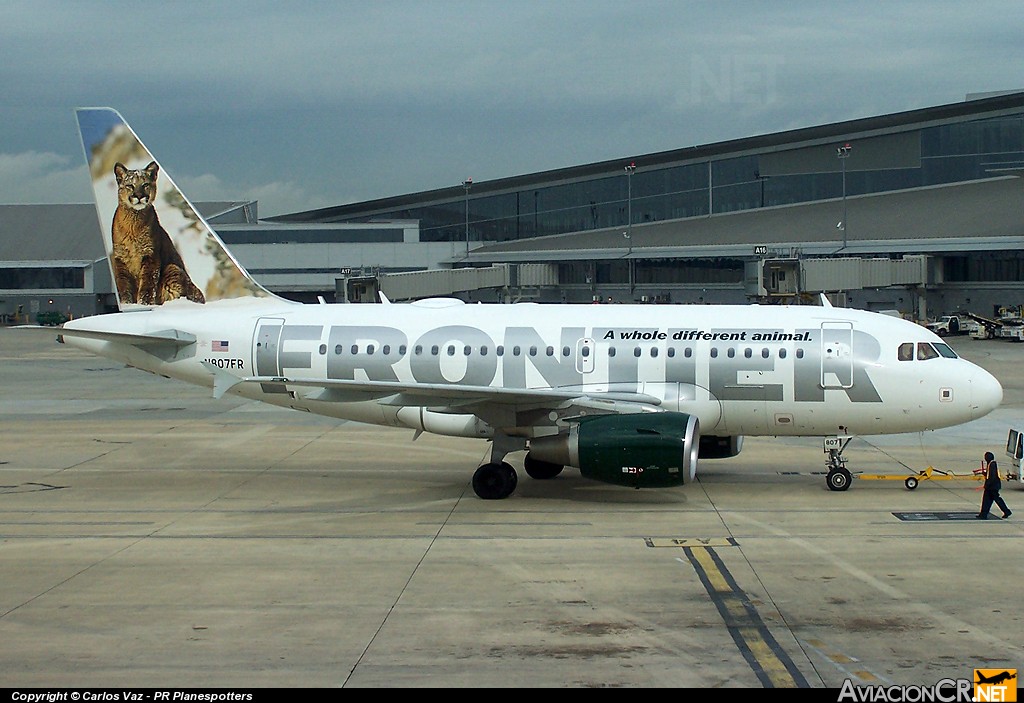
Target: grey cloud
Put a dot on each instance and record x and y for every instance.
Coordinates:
(345, 101)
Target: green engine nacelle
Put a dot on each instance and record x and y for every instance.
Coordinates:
(646, 450)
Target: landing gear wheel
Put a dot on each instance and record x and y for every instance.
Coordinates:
(910, 483)
(839, 480)
(495, 481)
(838, 477)
(513, 477)
(540, 470)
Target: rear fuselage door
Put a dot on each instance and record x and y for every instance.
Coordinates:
(266, 343)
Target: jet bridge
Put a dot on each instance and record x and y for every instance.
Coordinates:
(413, 285)
(775, 280)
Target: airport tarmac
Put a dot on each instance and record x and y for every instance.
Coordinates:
(151, 536)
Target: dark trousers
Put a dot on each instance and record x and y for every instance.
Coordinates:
(992, 497)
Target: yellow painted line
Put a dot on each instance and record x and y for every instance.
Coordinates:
(767, 659)
(736, 609)
(711, 570)
(841, 659)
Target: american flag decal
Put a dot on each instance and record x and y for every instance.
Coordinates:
(219, 345)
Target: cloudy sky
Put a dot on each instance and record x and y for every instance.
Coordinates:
(309, 104)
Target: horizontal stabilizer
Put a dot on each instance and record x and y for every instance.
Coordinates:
(164, 338)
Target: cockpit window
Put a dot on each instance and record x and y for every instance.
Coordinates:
(926, 351)
(906, 352)
(945, 351)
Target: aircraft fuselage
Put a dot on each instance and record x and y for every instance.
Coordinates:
(741, 369)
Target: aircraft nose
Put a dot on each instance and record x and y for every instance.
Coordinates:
(986, 393)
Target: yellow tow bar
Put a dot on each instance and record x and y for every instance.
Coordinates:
(929, 474)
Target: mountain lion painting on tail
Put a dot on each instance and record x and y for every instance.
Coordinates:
(147, 268)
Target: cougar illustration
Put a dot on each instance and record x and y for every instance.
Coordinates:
(147, 268)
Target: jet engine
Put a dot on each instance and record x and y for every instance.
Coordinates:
(647, 450)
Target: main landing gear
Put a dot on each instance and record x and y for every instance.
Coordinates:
(838, 477)
(497, 479)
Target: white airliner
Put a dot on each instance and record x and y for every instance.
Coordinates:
(629, 395)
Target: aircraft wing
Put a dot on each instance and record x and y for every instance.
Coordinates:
(486, 402)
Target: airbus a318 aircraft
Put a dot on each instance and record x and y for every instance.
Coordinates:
(629, 395)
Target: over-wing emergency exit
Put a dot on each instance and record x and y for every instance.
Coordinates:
(629, 395)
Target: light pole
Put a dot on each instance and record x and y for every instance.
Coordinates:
(466, 184)
(628, 234)
(843, 153)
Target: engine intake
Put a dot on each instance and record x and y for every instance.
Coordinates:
(643, 451)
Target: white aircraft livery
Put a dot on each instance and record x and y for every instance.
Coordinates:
(629, 394)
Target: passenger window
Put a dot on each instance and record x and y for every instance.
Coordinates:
(434, 350)
(483, 351)
(688, 353)
(799, 353)
(906, 352)
(369, 349)
(636, 351)
(654, 352)
(765, 353)
(925, 351)
(782, 353)
(714, 352)
(418, 350)
(515, 351)
(550, 351)
(566, 351)
(467, 350)
(323, 349)
(401, 350)
(500, 351)
(385, 350)
(533, 351)
(451, 350)
(611, 351)
(337, 349)
(747, 352)
(731, 352)
(671, 352)
(355, 348)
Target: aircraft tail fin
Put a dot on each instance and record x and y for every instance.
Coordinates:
(159, 247)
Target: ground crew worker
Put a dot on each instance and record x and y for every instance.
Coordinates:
(993, 484)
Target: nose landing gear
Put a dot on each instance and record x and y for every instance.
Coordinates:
(838, 477)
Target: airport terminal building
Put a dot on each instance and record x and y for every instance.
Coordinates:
(919, 211)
